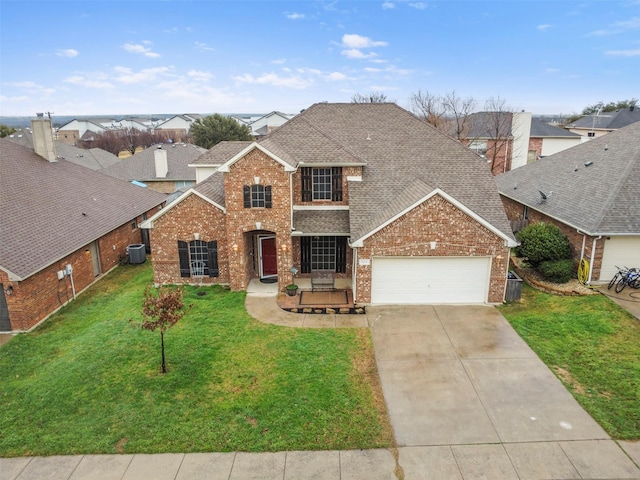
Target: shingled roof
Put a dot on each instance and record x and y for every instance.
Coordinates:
(141, 166)
(608, 120)
(542, 129)
(51, 209)
(592, 186)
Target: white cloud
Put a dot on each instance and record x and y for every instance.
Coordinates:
(551, 70)
(137, 48)
(624, 53)
(543, 27)
(335, 76)
(128, 76)
(358, 41)
(632, 23)
(200, 75)
(617, 27)
(203, 46)
(67, 52)
(273, 79)
(83, 81)
(388, 5)
(32, 87)
(295, 16)
(359, 54)
(418, 5)
(279, 61)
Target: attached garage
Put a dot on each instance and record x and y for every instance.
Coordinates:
(430, 280)
(621, 251)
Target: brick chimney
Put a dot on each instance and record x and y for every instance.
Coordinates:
(43, 138)
(160, 157)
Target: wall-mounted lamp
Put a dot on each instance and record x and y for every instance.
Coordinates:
(284, 247)
(235, 247)
(9, 290)
(196, 236)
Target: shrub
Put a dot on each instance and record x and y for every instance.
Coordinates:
(540, 242)
(557, 271)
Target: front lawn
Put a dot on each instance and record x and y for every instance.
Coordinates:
(88, 381)
(593, 346)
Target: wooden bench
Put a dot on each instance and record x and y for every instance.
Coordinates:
(322, 280)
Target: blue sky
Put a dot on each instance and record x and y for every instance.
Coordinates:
(109, 57)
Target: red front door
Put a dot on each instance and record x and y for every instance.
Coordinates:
(269, 256)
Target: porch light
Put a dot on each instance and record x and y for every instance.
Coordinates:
(235, 247)
(284, 247)
(9, 290)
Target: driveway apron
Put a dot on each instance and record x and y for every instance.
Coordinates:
(460, 375)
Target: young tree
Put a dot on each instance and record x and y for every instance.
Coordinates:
(209, 131)
(161, 312)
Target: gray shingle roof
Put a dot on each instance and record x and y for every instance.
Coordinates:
(52, 209)
(325, 222)
(141, 166)
(212, 188)
(405, 159)
(599, 199)
(221, 152)
(543, 129)
(608, 120)
(94, 158)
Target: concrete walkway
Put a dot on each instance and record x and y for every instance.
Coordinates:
(466, 397)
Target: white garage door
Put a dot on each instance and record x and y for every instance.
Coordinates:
(431, 280)
(620, 251)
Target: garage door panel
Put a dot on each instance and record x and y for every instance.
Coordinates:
(620, 251)
(430, 280)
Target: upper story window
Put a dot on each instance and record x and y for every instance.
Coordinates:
(257, 196)
(479, 146)
(591, 134)
(322, 184)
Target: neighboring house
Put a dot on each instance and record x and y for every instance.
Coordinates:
(265, 124)
(177, 127)
(364, 192)
(61, 227)
(163, 168)
(72, 132)
(591, 194)
(545, 140)
(502, 138)
(93, 158)
(599, 124)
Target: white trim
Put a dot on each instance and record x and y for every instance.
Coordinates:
(321, 207)
(297, 233)
(148, 223)
(509, 242)
(225, 166)
(210, 165)
(332, 164)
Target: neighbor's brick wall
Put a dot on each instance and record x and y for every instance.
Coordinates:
(437, 220)
(535, 144)
(41, 294)
(168, 186)
(192, 215)
(515, 211)
(241, 221)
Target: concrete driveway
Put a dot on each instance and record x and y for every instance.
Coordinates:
(461, 380)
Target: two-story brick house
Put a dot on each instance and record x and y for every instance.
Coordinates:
(367, 191)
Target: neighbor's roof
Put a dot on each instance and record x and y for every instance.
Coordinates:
(543, 129)
(49, 210)
(592, 186)
(93, 158)
(142, 167)
(221, 152)
(404, 161)
(608, 120)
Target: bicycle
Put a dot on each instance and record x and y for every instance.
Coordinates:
(621, 271)
(631, 278)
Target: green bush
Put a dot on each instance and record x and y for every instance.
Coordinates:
(557, 271)
(540, 242)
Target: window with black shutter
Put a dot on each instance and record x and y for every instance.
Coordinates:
(214, 271)
(323, 253)
(246, 191)
(305, 254)
(198, 258)
(321, 184)
(257, 196)
(336, 184)
(183, 254)
(307, 184)
(341, 254)
(267, 196)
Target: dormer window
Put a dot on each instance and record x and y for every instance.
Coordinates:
(322, 184)
(257, 196)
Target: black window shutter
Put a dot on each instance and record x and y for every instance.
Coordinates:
(305, 254)
(212, 251)
(336, 184)
(307, 184)
(183, 254)
(247, 196)
(267, 196)
(341, 254)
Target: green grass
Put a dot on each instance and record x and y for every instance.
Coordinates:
(593, 346)
(88, 381)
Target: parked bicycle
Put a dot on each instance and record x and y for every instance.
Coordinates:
(621, 271)
(631, 277)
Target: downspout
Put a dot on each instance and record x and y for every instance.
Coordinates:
(506, 157)
(354, 276)
(593, 253)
